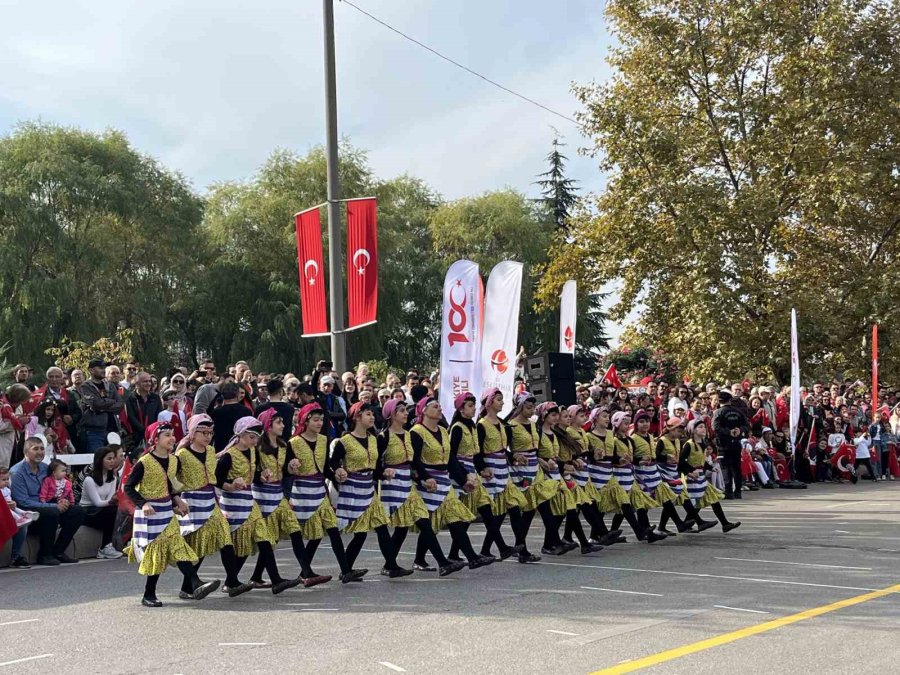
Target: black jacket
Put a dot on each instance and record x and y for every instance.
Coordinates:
(142, 413)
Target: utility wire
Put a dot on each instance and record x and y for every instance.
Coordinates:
(459, 65)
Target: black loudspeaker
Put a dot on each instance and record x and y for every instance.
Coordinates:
(551, 377)
(561, 392)
(550, 366)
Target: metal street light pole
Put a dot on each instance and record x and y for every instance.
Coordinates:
(335, 253)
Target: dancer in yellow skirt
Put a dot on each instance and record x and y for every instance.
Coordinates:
(203, 527)
(431, 462)
(235, 470)
(357, 466)
(601, 449)
(632, 503)
(307, 458)
(668, 451)
(156, 541)
(693, 465)
(538, 490)
(493, 439)
(467, 462)
(564, 505)
(574, 451)
(268, 491)
(647, 474)
(399, 495)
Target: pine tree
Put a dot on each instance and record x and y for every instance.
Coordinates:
(558, 192)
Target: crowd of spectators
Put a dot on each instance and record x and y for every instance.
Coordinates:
(100, 417)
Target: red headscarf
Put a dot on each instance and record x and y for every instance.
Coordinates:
(152, 434)
(304, 415)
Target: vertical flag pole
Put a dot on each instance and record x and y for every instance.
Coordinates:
(335, 282)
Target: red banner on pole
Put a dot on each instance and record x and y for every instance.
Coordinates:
(312, 273)
(362, 262)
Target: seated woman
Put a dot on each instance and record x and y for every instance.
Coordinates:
(99, 501)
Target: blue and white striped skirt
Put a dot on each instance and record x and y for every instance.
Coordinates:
(625, 476)
(268, 496)
(647, 477)
(307, 494)
(600, 473)
(497, 463)
(582, 476)
(433, 500)
(396, 491)
(148, 528)
(696, 487)
(669, 473)
(520, 474)
(354, 497)
(200, 507)
(236, 507)
(469, 465)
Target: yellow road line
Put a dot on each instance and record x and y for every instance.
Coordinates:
(725, 638)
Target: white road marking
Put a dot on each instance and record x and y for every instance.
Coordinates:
(320, 609)
(243, 644)
(738, 609)
(392, 666)
(705, 576)
(613, 590)
(27, 658)
(842, 504)
(13, 623)
(301, 604)
(843, 532)
(563, 632)
(781, 562)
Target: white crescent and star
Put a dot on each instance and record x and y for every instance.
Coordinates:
(311, 280)
(365, 254)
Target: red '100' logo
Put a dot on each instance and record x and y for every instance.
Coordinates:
(499, 361)
(457, 317)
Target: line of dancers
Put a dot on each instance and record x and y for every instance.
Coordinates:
(563, 464)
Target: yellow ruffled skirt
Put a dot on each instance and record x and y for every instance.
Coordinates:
(640, 499)
(317, 525)
(282, 522)
(452, 510)
(564, 500)
(477, 498)
(612, 497)
(542, 490)
(410, 511)
(372, 517)
(710, 497)
(665, 494)
(212, 536)
(168, 548)
(511, 498)
(251, 531)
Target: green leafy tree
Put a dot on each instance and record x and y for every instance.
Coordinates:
(93, 236)
(751, 149)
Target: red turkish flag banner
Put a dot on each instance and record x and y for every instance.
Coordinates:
(7, 523)
(362, 262)
(312, 273)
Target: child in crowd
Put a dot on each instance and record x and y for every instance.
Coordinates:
(22, 518)
(57, 486)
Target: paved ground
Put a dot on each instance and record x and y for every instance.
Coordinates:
(795, 551)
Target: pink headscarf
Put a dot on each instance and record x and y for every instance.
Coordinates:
(420, 408)
(487, 397)
(193, 423)
(596, 413)
(248, 423)
(389, 408)
(545, 409)
(267, 416)
(304, 415)
(574, 410)
(461, 399)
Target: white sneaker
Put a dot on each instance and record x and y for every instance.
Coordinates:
(109, 552)
(891, 477)
(34, 515)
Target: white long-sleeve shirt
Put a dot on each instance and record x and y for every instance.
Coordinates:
(94, 495)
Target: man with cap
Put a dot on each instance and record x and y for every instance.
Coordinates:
(100, 406)
(730, 423)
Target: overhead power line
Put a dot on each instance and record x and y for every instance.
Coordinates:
(459, 65)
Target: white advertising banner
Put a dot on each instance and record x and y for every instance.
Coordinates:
(501, 329)
(795, 379)
(567, 316)
(461, 333)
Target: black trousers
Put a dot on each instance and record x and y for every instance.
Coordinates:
(52, 520)
(104, 520)
(731, 471)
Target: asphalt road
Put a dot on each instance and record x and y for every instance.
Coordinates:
(795, 551)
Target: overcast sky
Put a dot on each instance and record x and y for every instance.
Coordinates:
(210, 88)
